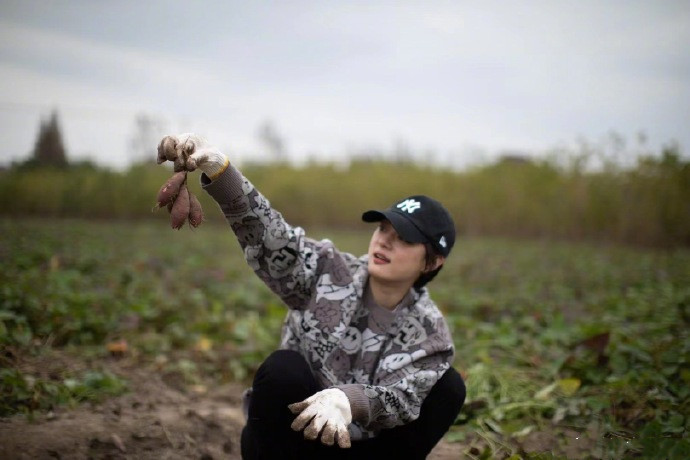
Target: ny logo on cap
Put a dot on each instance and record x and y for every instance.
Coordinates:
(442, 242)
(409, 205)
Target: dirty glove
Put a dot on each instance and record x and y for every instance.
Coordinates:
(328, 410)
(189, 152)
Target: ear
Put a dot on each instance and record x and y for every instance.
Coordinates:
(438, 261)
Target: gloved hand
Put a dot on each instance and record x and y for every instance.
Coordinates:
(189, 151)
(328, 410)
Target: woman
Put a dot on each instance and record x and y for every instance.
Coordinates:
(364, 366)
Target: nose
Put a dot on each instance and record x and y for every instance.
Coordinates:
(385, 238)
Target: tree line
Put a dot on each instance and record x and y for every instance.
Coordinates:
(559, 196)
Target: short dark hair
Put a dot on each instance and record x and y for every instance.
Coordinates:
(429, 259)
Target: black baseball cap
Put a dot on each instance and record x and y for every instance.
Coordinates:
(419, 219)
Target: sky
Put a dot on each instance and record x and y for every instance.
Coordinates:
(453, 82)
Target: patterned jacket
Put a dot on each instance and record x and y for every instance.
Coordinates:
(385, 361)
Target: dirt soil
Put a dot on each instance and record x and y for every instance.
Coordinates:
(157, 419)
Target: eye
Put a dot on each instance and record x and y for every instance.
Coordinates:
(405, 242)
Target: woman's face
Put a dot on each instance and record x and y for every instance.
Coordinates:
(393, 260)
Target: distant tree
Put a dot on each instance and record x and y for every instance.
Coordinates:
(49, 149)
(148, 131)
(271, 139)
(514, 157)
(402, 153)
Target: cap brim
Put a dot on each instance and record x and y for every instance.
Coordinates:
(401, 224)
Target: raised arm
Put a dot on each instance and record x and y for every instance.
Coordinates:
(281, 255)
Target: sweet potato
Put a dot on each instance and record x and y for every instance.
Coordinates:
(180, 209)
(174, 194)
(171, 188)
(196, 215)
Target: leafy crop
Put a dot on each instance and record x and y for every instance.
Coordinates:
(589, 341)
(24, 392)
(576, 349)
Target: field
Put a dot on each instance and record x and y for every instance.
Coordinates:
(570, 350)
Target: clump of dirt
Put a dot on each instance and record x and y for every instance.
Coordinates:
(155, 419)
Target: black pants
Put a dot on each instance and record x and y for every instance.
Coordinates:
(285, 378)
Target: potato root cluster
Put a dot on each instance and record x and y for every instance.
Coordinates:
(181, 203)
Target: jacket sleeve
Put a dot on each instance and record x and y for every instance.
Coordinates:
(403, 380)
(281, 255)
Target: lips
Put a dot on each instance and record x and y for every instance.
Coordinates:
(380, 258)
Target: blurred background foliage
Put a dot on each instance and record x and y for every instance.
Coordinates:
(564, 195)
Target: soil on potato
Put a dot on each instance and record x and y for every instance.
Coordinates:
(158, 418)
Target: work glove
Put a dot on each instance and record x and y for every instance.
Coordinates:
(189, 152)
(328, 410)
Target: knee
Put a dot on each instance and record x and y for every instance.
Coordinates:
(283, 378)
(283, 369)
(451, 389)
